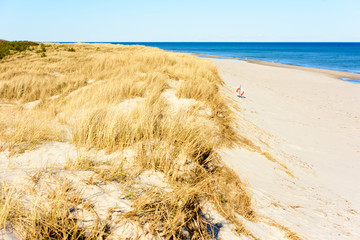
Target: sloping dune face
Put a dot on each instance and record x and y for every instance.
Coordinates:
(109, 141)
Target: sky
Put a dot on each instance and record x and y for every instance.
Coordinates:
(180, 21)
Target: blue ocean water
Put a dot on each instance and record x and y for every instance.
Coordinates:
(335, 56)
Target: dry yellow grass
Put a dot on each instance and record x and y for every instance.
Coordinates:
(270, 157)
(115, 97)
(21, 129)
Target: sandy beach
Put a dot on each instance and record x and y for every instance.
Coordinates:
(309, 121)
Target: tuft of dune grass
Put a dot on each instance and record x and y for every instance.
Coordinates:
(21, 129)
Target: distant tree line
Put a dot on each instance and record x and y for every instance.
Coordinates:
(11, 47)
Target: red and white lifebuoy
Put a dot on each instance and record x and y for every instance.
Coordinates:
(240, 91)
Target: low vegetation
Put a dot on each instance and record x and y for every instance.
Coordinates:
(165, 108)
(12, 47)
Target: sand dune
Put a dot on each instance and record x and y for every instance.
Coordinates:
(135, 156)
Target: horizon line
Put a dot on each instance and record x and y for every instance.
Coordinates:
(199, 42)
(41, 41)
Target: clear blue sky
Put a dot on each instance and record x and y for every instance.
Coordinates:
(182, 20)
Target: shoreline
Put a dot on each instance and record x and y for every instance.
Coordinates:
(332, 73)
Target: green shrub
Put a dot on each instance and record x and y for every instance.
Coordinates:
(7, 47)
(43, 47)
(71, 49)
(43, 55)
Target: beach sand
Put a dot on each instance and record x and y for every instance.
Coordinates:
(308, 124)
